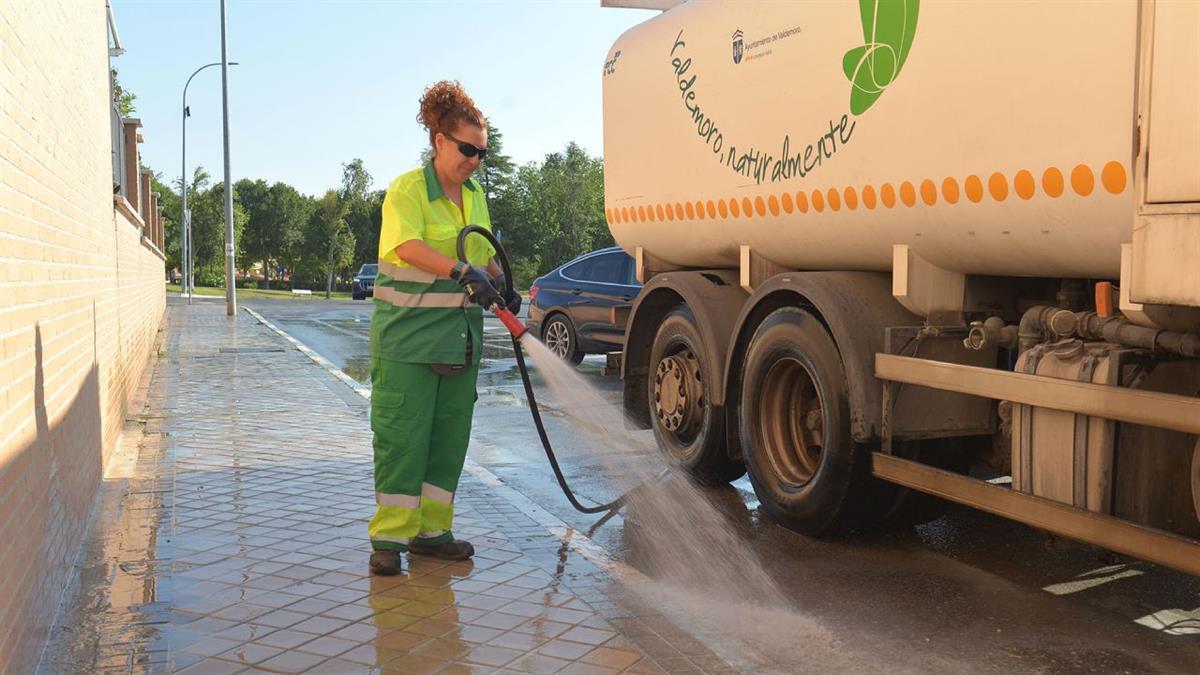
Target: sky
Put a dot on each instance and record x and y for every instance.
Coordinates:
(321, 83)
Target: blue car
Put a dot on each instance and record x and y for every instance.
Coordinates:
(364, 281)
(576, 309)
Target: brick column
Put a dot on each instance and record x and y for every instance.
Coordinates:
(144, 205)
(132, 184)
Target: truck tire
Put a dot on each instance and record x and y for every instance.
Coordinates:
(794, 422)
(689, 429)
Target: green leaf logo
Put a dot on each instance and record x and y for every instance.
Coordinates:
(888, 29)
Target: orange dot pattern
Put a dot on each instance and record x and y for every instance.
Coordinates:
(1023, 184)
(1052, 182)
(928, 192)
(950, 190)
(1113, 178)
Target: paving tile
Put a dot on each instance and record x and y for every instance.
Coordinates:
(249, 653)
(400, 641)
(466, 669)
(514, 640)
(538, 664)
(210, 646)
(499, 620)
(477, 634)
(580, 668)
(608, 657)
(246, 632)
(320, 625)
(438, 649)
(282, 618)
(563, 649)
(328, 646)
(338, 667)
(430, 627)
(490, 655)
(544, 628)
(591, 636)
(291, 662)
(212, 667)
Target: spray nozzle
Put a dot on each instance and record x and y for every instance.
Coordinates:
(510, 321)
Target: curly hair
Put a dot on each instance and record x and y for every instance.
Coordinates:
(444, 106)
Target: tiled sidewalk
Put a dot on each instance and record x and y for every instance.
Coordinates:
(230, 536)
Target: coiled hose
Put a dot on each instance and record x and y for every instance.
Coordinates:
(502, 256)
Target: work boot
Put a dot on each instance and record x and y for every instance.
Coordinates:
(456, 549)
(386, 563)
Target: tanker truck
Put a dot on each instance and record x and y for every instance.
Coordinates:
(897, 253)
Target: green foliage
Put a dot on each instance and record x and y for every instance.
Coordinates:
(545, 213)
(363, 210)
(277, 215)
(328, 233)
(525, 270)
(208, 229)
(126, 100)
(556, 209)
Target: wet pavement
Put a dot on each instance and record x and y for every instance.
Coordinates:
(232, 537)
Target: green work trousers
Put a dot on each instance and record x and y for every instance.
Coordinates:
(422, 424)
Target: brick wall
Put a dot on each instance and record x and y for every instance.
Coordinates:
(81, 298)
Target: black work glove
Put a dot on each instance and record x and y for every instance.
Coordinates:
(512, 299)
(477, 286)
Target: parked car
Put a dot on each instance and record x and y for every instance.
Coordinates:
(570, 308)
(364, 282)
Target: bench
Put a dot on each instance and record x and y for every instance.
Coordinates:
(301, 291)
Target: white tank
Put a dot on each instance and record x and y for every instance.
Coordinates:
(994, 137)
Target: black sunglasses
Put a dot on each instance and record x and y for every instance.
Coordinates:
(467, 149)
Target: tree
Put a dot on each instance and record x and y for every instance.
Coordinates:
(125, 100)
(289, 212)
(362, 209)
(356, 182)
(557, 211)
(496, 171)
(208, 231)
(257, 238)
(328, 228)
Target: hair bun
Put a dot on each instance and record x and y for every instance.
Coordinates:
(445, 105)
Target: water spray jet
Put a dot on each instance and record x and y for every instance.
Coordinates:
(520, 332)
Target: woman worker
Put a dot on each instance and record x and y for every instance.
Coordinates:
(426, 335)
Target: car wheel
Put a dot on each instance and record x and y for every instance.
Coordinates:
(559, 336)
(688, 428)
(794, 423)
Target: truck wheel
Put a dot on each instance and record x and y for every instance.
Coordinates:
(688, 428)
(794, 423)
(559, 335)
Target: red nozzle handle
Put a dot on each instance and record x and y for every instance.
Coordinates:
(511, 322)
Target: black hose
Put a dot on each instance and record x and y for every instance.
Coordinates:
(533, 406)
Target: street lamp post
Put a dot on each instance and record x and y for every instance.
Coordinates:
(230, 267)
(185, 223)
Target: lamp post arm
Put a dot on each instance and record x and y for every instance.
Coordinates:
(185, 247)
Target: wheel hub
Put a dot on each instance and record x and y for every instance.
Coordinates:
(556, 338)
(679, 393)
(792, 418)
